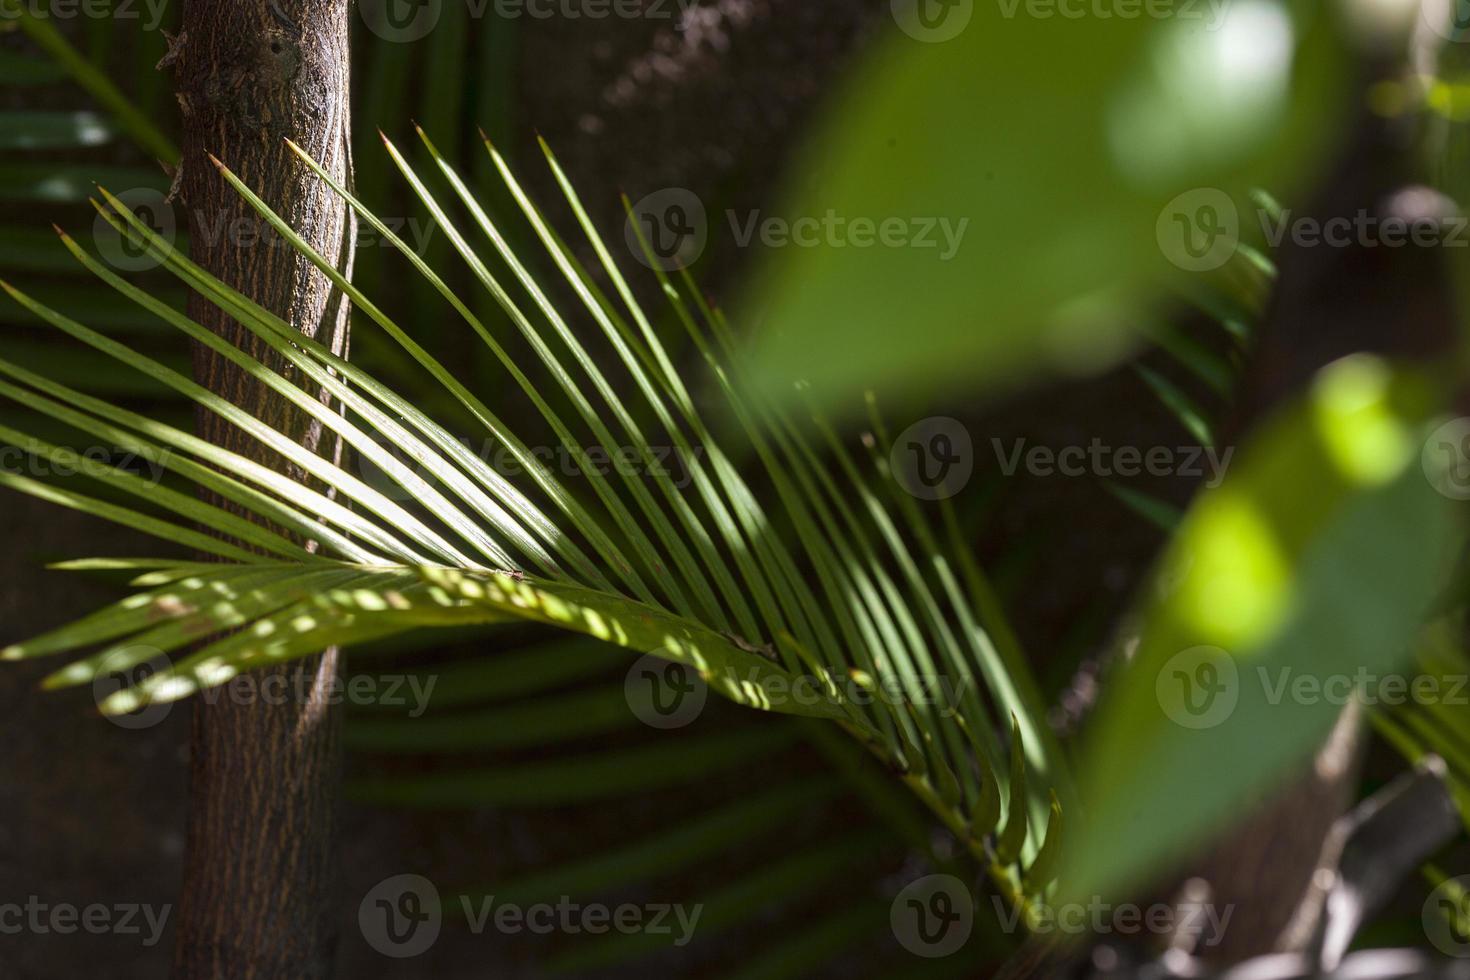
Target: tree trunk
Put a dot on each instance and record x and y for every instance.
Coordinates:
(259, 870)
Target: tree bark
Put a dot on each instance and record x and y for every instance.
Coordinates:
(260, 864)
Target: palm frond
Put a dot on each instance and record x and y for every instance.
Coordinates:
(855, 613)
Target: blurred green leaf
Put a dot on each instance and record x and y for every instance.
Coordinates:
(31, 130)
(1317, 557)
(19, 69)
(71, 182)
(1056, 152)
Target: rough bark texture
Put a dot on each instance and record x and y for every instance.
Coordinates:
(257, 895)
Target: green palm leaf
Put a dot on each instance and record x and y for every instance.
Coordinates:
(807, 598)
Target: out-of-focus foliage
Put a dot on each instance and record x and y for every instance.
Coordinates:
(1059, 144)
